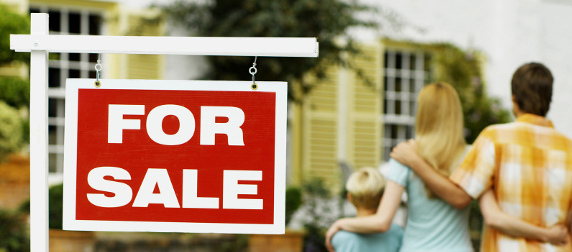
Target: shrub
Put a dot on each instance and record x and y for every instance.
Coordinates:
(13, 232)
(11, 130)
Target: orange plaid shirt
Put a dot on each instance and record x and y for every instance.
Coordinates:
(529, 166)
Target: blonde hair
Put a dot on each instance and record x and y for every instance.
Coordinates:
(365, 187)
(439, 128)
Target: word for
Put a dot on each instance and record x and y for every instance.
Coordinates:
(209, 127)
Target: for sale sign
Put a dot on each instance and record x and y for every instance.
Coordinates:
(175, 156)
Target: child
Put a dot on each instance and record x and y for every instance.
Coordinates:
(365, 189)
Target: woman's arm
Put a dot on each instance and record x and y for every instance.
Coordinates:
(379, 222)
(513, 226)
(406, 153)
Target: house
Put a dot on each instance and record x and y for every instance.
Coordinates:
(346, 122)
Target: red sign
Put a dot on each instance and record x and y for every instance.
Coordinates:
(175, 156)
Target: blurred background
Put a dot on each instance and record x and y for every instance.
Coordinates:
(347, 108)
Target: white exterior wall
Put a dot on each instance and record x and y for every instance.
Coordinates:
(509, 32)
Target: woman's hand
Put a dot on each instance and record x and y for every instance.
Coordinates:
(330, 233)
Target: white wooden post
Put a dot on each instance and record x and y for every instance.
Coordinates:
(39, 138)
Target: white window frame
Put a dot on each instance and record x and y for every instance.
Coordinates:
(398, 126)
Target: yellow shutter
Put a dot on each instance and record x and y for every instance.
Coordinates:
(319, 131)
(339, 121)
(138, 66)
(364, 125)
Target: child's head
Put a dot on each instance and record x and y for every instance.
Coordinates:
(365, 188)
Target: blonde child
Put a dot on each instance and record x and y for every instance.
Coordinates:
(365, 188)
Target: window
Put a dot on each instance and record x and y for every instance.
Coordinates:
(405, 73)
(63, 21)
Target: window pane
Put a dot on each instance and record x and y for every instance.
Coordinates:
(94, 24)
(385, 60)
(412, 62)
(54, 77)
(74, 23)
(398, 61)
(52, 107)
(394, 129)
(409, 132)
(398, 107)
(385, 106)
(52, 134)
(55, 21)
(93, 57)
(74, 73)
(53, 162)
(398, 84)
(74, 57)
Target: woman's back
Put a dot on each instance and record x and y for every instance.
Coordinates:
(432, 224)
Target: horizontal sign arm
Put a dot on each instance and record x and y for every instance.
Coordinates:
(214, 46)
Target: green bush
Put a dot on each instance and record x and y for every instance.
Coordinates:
(56, 198)
(11, 132)
(13, 232)
(15, 92)
(293, 201)
(12, 23)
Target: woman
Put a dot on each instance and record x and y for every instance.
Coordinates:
(432, 224)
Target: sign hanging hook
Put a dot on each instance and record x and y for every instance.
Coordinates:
(98, 68)
(252, 70)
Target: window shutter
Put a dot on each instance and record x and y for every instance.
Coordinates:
(319, 131)
(139, 66)
(364, 124)
(341, 122)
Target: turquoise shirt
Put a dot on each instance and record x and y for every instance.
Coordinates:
(389, 241)
(432, 224)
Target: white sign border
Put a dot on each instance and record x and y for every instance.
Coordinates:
(70, 157)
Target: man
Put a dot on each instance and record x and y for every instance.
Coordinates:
(527, 164)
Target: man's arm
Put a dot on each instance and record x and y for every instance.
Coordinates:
(513, 226)
(406, 153)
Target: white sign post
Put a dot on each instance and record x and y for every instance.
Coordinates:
(40, 44)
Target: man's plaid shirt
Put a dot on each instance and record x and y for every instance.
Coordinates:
(529, 166)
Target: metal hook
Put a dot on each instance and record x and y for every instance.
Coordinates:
(98, 68)
(252, 70)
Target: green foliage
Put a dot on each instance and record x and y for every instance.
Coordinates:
(463, 70)
(56, 201)
(11, 130)
(12, 23)
(13, 232)
(15, 92)
(328, 20)
(293, 201)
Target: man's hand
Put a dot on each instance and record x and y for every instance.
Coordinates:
(330, 233)
(558, 235)
(406, 153)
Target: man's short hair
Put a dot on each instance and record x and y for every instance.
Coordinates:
(532, 88)
(365, 187)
